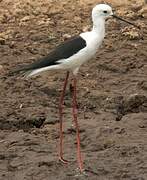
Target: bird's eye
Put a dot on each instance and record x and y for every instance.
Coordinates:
(105, 12)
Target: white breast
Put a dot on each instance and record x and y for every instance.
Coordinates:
(92, 44)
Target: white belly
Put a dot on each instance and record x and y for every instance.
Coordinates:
(75, 61)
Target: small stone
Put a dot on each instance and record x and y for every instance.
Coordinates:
(12, 44)
(142, 126)
(21, 106)
(77, 18)
(66, 36)
(21, 131)
(2, 41)
(86, 28)
(26, 18)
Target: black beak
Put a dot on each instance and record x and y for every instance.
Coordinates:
(125, 21)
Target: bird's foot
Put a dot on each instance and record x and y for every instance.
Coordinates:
(64, 161)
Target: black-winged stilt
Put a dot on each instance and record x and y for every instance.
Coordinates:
(69, 56)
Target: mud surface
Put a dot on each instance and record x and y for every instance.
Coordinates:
(112, 94)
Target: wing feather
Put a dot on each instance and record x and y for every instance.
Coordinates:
(63, 51)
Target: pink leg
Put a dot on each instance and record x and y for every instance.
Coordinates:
(79, 158)
(61, 120)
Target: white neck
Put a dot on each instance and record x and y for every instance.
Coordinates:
(99, 26)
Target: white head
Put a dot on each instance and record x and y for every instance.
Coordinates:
(101, 11)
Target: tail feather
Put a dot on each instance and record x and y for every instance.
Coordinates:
(28, 71)
(21, 71)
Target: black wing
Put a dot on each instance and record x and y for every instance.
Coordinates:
(63, 51)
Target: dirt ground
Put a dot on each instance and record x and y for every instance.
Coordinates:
(112, 94)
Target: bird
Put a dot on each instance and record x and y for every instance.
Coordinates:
(69, 56)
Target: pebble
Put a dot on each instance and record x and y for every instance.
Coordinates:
(2, 41)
